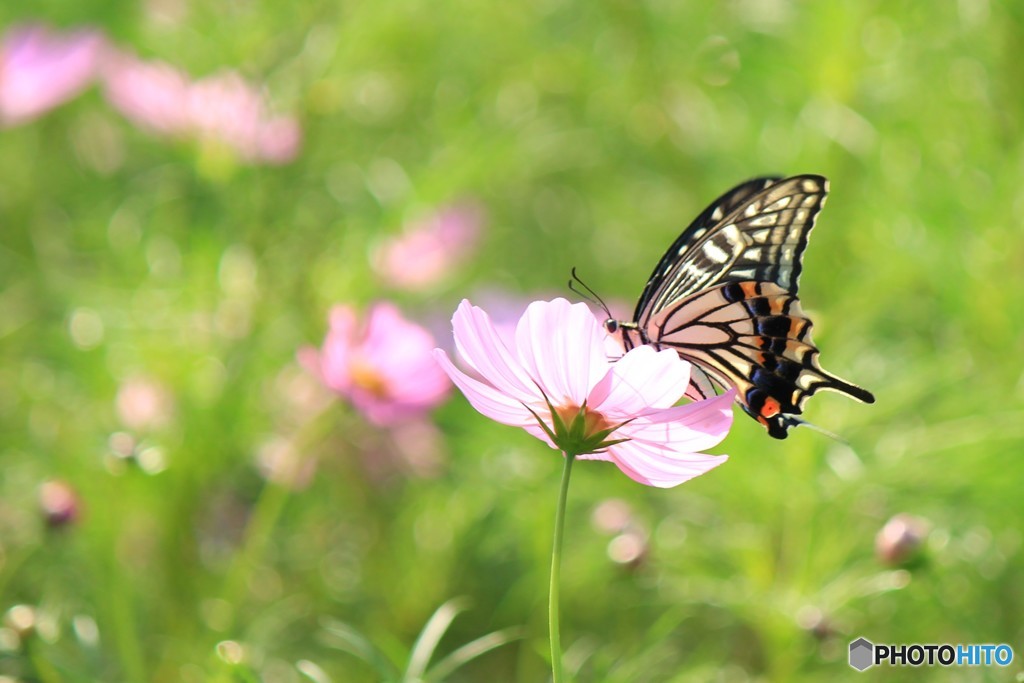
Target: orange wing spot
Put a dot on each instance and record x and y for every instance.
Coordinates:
(750, 289)
(771, 407)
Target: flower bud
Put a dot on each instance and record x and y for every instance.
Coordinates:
(900, 540)
(58, 503)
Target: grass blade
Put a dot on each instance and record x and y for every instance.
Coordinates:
(471, 651)
(345, 638)
(429, 637)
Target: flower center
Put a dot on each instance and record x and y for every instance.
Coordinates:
(593, 421)
(579, 430)
(366, 376)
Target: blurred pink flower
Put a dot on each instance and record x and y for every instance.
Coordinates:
(385, 368)
(625, 408)
(427, 250)
(41, 68)
(900, 540)
(223, 107)
(58, 503)
(152, 95)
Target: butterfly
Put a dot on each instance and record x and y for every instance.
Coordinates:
(724, 296)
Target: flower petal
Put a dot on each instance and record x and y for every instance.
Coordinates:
(648, 464)
(640, 380)
(486, 399)
(401, 352)
(562, 346)
(41, 68)
(429, 250)
(336, 354)
(481, 348)
(690, 427)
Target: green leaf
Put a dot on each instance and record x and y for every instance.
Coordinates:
(429, 637)
(346, 638)
(471, 651)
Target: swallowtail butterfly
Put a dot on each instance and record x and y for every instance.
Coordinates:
(724, 296)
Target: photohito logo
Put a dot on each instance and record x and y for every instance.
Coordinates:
(864, 654)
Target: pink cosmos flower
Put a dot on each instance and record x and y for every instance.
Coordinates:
(223, 107)
(386, 369)
(152, 95)
(429, 249)
(557, 375)
(40, 69)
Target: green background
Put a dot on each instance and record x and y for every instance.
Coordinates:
(590, 133)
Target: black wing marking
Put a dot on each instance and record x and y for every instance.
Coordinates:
(752, 336)
(762, 238)
(708, 219)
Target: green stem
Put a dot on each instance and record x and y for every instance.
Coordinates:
(556, 561)
(266, 513)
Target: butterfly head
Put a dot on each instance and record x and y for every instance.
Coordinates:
(629, 335)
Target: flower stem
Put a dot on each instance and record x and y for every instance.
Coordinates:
(266, 514)
(556, 561)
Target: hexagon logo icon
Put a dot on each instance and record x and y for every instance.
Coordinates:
(862, 654)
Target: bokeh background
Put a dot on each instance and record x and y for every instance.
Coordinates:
(181, 501)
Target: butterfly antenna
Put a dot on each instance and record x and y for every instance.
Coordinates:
(590, 295)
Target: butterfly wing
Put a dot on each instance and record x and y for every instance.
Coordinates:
(709, 218)
(752, 336)
(761, 236)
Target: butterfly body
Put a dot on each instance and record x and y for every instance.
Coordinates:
(724, 297)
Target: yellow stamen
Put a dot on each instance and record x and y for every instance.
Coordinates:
(367, 377)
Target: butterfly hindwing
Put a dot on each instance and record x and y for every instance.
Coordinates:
(752, 336)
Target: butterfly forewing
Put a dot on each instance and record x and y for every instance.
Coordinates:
(762, 237)
(708, 219)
